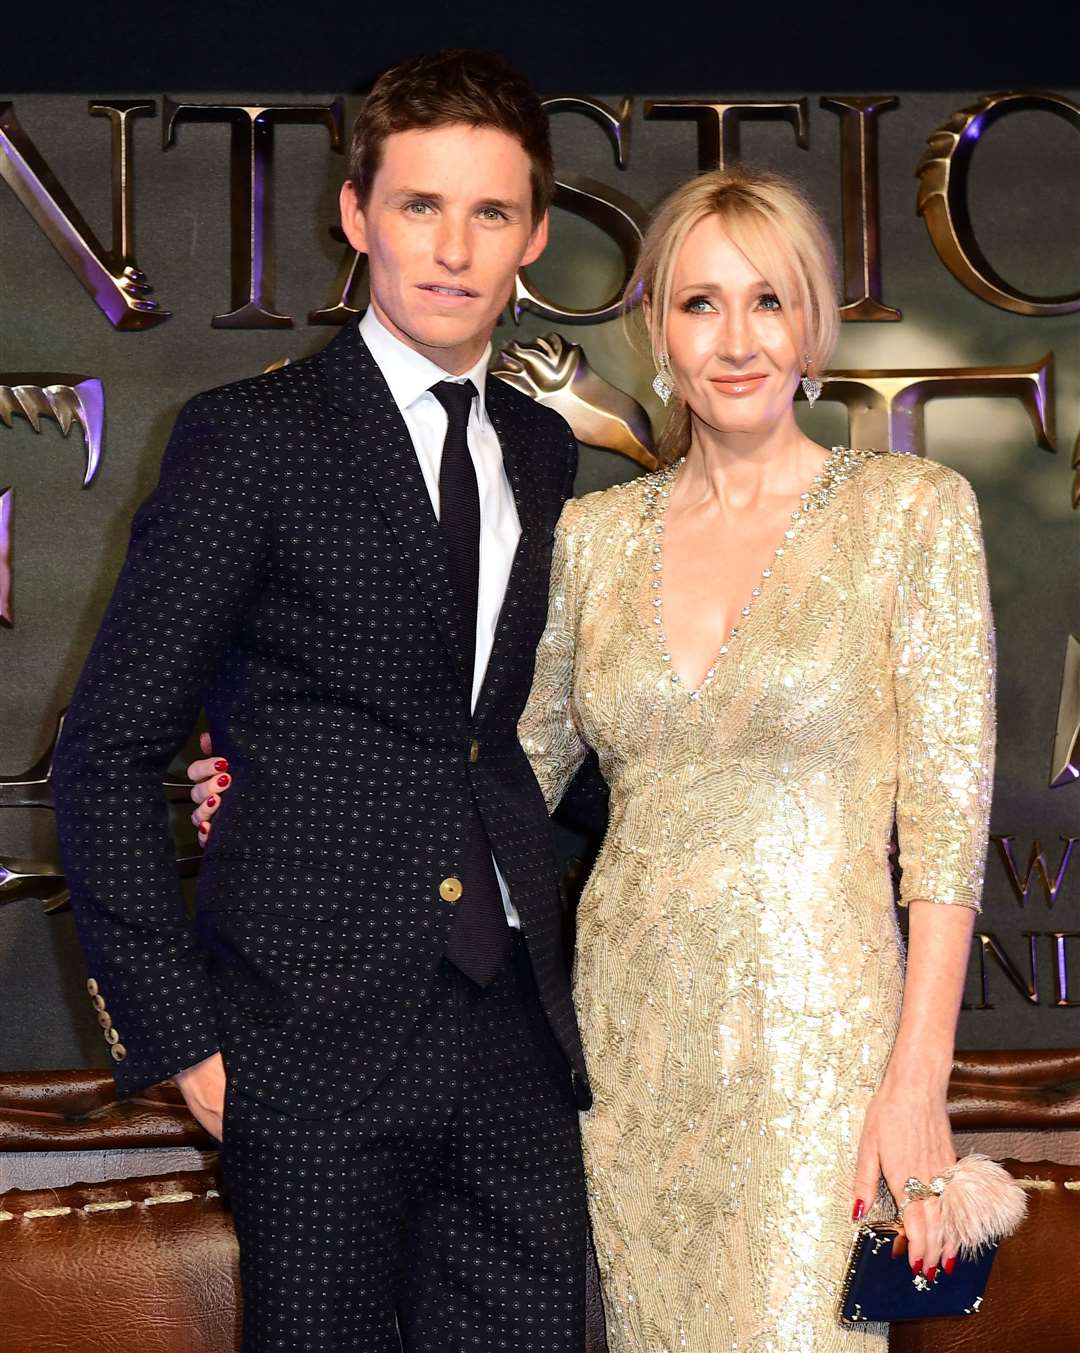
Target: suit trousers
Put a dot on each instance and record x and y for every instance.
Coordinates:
(446, 1214)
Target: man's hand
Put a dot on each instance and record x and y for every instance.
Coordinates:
(203, 1088)
(212, 779)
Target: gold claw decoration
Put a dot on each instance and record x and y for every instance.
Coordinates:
(1065, 763)
(557, 373)
(67, 400)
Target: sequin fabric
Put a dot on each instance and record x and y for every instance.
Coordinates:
(739, 968)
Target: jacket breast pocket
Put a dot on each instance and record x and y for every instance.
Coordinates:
(263, 886)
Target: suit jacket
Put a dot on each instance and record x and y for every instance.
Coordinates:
(289, 574)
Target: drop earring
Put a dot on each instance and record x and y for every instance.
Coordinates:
(662, 380)
(812, 387)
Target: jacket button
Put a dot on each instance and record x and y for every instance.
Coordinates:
(111, 1036)
(99, 1002)
(119, 1052)
(104, 1019)
(474, 751)
(91, 986)
(450, 889)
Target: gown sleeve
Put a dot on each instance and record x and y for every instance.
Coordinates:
(943, 676)
(549, 729)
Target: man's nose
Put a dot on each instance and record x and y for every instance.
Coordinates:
(452, 245)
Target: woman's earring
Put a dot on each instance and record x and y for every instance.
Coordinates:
(662, 381)
(811, 386)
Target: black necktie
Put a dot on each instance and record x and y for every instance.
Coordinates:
(480, 939)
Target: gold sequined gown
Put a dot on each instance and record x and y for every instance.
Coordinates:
(739, 970)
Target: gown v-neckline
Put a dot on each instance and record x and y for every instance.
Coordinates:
(837, 467)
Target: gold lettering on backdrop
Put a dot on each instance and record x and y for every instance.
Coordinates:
(989, 947)
(1061, 966)
(886, 408)
(718, 123)
(344, 293)
(1076, 474)
(1065, 758)
(119, 288)
(250, 182)
(943, 199)
(618, 216)
(557, 373)
(860, 204)
(1036, 864)
(68, 400)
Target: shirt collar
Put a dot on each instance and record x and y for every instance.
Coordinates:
(409, 374)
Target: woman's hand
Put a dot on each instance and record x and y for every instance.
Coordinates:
(212, 780)
(906, 1133)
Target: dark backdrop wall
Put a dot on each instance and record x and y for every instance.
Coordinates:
(69, 541)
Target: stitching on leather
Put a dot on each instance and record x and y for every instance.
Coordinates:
(34, 1213)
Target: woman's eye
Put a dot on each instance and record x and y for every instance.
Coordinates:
(697, 305)
(770, 301)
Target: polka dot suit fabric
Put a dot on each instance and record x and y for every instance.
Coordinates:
(445, 1215)
(323, 645)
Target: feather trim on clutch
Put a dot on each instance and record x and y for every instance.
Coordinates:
(980, 1204)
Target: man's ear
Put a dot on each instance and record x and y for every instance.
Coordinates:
(352, 217)
(537, 242)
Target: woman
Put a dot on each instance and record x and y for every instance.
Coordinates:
(775, 650)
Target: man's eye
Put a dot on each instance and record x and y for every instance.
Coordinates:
(770, 301)
(698, 305)
(492, 214)
(418, 208)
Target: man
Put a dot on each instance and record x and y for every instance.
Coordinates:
(346, 561)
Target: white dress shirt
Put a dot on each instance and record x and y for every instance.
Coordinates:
(410, 376)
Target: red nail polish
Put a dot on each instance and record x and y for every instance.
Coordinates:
(917, 1266)
(203, 827)
(949, 1263)
(931, 1273)
(221, 765)
(223, 780)
(211, 801)
(859, 1210)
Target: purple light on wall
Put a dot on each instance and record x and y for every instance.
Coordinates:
(7, 503)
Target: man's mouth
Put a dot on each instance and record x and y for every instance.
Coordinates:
(440, 290)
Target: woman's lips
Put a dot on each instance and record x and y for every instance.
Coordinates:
(736, 386)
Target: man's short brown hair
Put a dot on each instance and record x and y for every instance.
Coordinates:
(441, 88)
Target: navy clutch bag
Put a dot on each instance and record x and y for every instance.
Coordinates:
(879, 1287)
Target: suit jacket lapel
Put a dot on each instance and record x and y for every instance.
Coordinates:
(519, 471)
(356, 385)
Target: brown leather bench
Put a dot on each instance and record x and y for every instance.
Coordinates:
(142, 1258)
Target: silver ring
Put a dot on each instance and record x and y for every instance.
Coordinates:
(915, 1190)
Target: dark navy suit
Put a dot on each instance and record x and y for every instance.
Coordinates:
(400, 1144)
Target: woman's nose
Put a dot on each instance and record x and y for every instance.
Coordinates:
(736, 340)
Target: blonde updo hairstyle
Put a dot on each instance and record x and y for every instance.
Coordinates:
(770, 220)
